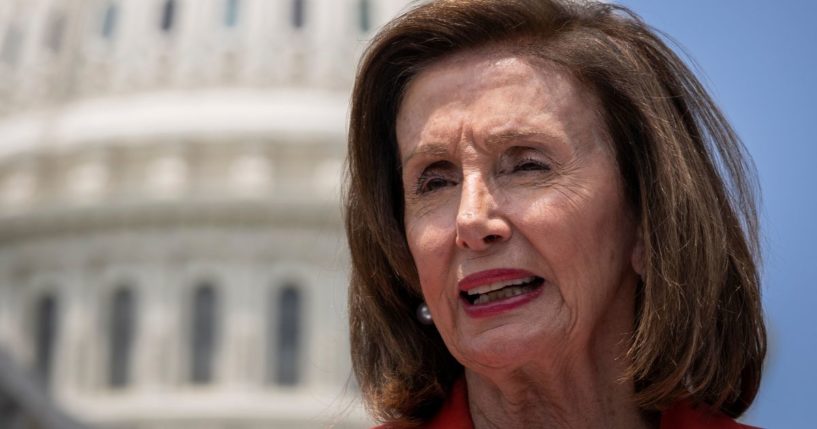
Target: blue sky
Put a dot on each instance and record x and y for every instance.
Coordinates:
(759, 60)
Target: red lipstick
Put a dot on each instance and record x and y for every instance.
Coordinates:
(482, 278)
(513, 288)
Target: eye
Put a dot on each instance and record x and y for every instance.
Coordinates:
(530, 164)
(434, 177)
(431, 184)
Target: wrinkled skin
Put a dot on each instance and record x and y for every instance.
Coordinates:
(507, 164)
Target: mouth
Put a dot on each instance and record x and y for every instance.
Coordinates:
(501, 290)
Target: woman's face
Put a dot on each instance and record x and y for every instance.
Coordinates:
(514, 211)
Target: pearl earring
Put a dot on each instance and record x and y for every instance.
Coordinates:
(424, 314)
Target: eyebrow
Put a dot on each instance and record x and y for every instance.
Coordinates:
(433, 150)
(439, 149)
(505, 136)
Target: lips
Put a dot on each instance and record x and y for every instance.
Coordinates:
(501, 290)
(493, 291)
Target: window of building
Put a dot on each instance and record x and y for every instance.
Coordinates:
(298, 13)
(121, 330)
(56, 32)
(231, 10)
(285, 323)
(14, 415)
(11, 45)
(203, 338)
(45, 336)
(168, 16)
(364, 15)
(109, 20)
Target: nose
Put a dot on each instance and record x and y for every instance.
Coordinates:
(480, 222)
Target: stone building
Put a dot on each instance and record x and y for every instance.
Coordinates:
(171, 246)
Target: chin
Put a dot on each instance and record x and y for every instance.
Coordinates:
(505, 347)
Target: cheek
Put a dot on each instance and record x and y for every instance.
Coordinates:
(430, 227)
(584, 241)
(429, 243)
(604, 251)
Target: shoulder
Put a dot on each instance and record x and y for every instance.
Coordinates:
(454, 413)
(685, 416)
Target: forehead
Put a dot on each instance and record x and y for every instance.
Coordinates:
(492, 91)
(502, 61)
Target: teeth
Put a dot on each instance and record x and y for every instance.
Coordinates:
(499, 285)
(501, 294)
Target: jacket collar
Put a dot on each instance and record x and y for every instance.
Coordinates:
(455, 415)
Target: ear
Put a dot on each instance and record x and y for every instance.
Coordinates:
(637, 258)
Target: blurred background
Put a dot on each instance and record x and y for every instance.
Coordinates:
(171, 247)
(759, 61)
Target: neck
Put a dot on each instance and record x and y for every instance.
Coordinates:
(577, 381)
(573, 396)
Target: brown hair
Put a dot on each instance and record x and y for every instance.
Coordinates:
(699, 332)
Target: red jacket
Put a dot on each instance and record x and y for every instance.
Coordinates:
(455, 415)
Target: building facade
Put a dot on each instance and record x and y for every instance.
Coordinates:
(171, 246)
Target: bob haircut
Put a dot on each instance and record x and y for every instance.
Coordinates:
(699, 334)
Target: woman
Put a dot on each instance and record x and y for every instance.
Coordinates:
(551, 225)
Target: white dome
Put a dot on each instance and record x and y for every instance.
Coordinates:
(172, 250)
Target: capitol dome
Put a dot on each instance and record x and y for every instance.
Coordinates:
(172, 253)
